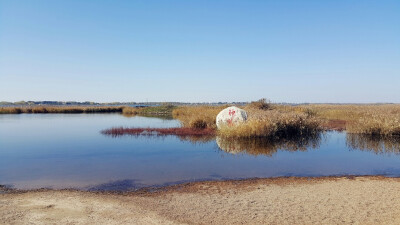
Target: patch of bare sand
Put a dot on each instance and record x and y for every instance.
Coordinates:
(358, 200)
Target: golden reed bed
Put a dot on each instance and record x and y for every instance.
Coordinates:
(265, 119)
(273, 120)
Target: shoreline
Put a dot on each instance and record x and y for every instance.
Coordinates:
(191, 185)
(281, 200)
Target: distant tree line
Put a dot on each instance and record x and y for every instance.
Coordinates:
(88, 103)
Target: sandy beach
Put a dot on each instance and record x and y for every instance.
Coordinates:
(328, 200)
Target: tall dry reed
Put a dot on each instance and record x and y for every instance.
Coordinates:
(197, 116)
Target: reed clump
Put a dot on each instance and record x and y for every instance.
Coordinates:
(197, 116)
(274, 124)
(198, 124)
(61, 109)
(263, 121)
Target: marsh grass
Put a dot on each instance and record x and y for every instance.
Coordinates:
(265, 120)
(273, 124)
(164, 110)
(61, 109)
(197, 116)
(377, 120)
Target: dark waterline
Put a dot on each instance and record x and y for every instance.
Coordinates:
(68, 151)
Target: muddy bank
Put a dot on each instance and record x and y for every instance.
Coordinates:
(337, 125)
(329, 200)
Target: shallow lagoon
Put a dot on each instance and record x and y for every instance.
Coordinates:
(68, 151)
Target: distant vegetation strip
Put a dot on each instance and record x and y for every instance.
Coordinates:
(61, 109)
(264, 119)
(164, 110)
(155, 110)
(88, 103)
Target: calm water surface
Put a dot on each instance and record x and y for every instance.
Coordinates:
(68, 151)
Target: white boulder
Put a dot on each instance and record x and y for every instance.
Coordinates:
(231, 116)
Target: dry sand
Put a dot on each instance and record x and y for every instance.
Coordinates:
(342, 200)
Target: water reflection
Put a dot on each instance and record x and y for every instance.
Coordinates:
(251, 146)
(376, 144)
(197, 139)
(268, 147)
(68, 151)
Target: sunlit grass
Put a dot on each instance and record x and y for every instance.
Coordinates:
(264, 120)
(382, 120)
(273, 120)
(197, 116)
(273, 124)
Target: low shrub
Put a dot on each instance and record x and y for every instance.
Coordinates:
(262, 104)
(198, 124)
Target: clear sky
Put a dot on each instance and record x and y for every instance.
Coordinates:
(200, 51)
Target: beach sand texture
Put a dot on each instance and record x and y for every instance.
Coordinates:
(330, 200)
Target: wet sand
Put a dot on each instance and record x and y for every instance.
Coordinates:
(329, 200)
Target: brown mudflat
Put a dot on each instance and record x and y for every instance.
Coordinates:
(338, 125)
(330, 200)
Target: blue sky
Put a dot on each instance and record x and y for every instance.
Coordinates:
(200, 51)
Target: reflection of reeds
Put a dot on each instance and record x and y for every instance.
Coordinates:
(177, 131)
(195, 139)
(61, 109)
(376, 144)
(266, 146)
